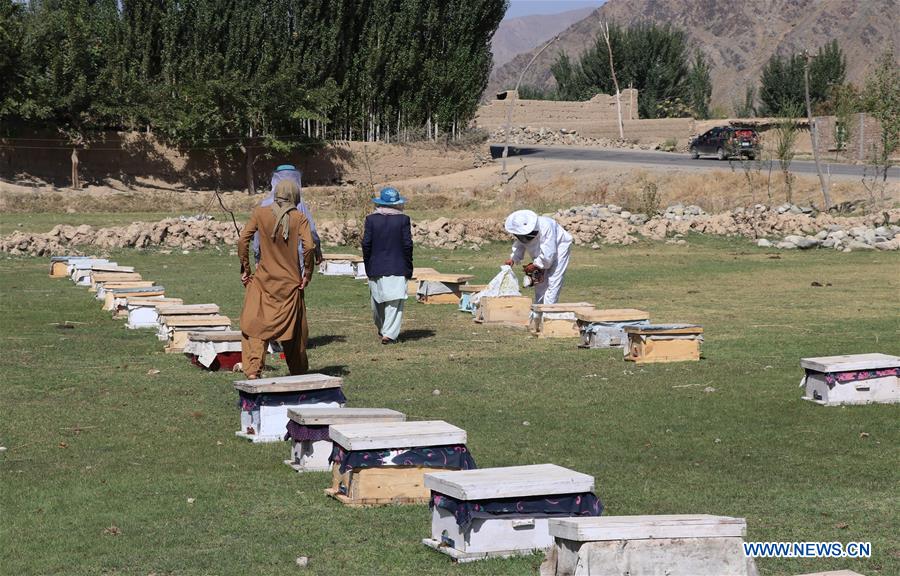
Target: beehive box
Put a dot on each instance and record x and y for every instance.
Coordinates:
(394, 468)
(851, 379)
(59, 265)
(440, 288)
(114, 298)
(142, 311)
(214, 350)
(308, 432)
(176, 310)
(663, 343)
(102, 287)
(177, 328)
(557, 320)
(264, 402)
(506, 310)
(605, 328)
(466, 291)
(341, 265)
(97, 278)
(80, 270)
(490, 512)
(674, 545)
(412, 285)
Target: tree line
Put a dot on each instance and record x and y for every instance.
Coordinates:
(671, 79)
(231, 72)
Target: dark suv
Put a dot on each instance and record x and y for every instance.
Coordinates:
(725, 142)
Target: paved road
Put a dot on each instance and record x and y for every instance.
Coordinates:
(656, 159)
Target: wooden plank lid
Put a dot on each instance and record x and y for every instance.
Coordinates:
(196, 321)
(612, 315)
(850, 362)
(100, 277)
(509, 482)
(155, 301)
(68, 258)
(136, 291)
(564, 307)
(188, 309)
(376, 435)
(289, 383)
(215, 336)
(328, 416)
(447, 278)
(597, 528)
(111, 267)
(131, 284)
(350, 257)
(651, 329)
(418, 271)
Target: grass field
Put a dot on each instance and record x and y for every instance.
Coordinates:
(102, 457)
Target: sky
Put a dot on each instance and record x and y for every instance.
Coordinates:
(526, 7)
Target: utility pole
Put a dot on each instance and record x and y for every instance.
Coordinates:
(509, 109)
(814, 132)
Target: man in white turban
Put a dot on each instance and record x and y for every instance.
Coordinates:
(548, 244)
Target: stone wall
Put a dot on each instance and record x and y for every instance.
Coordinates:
(864, 137)
(595, 118)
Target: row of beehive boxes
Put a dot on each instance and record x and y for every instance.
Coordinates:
(198, 330)
(377, 457)
(853, 379)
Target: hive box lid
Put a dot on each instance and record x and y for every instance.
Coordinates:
(850, 362)
(448, 278)
(564, 307)
(298, 383)
(418, 271)
(101, 277)
(131, 284)
(188, 309)
(350, 257)
(192, 321)
(111, 267)
(137, 291)
(216, 336)
(509, 482)
(89, 263)
(68, 258)
(472, 288)
(374, 435)
(612, 315)
(665, 329)
(156, 302)
(328, 416)
(597, 528)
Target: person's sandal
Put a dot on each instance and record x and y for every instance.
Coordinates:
(385, 340)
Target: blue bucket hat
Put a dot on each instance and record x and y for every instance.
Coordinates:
(389, 197)
(283, 167)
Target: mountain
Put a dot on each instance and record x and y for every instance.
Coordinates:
(736, 37)
(517, 35)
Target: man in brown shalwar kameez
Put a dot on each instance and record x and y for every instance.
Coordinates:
(274, 308)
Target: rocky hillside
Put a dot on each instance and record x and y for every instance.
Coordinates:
(517, 35)
(737, 37)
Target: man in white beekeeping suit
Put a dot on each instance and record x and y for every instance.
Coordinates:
(548, 244)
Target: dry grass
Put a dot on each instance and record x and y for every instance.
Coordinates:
(543, 188)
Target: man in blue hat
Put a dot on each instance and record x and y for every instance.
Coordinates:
(388, 254)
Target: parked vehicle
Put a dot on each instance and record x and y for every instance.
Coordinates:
(726, 142)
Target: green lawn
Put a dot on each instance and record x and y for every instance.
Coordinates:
(102, 457)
